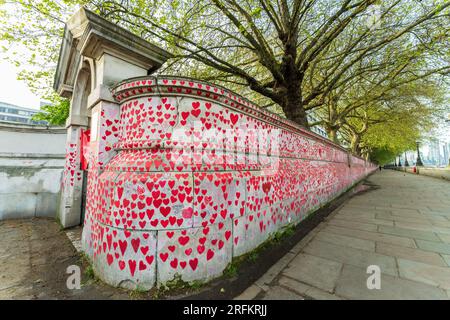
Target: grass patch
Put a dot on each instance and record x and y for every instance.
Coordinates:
(89, 272)
(231, 270)
(176, 286)
(251, 257)
(88, 269)
(138, 293)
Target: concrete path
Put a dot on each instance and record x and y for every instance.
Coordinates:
(34, 256)
(403, 228)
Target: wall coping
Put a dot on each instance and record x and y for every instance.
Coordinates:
(44, 156)
(185, 86)
(32, 128)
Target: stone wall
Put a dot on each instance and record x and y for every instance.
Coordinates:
(31, 165)
(199, 176)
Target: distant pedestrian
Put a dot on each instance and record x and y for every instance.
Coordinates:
(380, 168)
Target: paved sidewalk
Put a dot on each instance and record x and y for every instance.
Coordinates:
(403, 227)
(34, 256)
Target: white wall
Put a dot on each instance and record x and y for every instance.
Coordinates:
(32, 139)
(31, 165)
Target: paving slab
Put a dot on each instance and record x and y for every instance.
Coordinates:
(411, 254)
(402, 227)
(446, 258)
(438, 247)
(374, 236)
(444, 237)
(353, 285)
(421, 272)
(306, 290)
(388, 216)
(406, 212)
(409, 233)
(273, 272)
(280, 293)
(249, 293)
(346, 255)
(346, 241)
(353, 225)
(315, 271)
(365, 220)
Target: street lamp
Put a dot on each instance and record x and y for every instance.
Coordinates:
(447, 121)
(406, 161)
(419, 160)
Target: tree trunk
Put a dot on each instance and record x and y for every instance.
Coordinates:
(332, 133)
(295, 112)
(293, 106)
(332, 125)
(291, 88)
(354, 144)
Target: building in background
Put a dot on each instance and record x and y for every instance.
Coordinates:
(312, 117)
(434, 153)
(14, 114)
(446, 154)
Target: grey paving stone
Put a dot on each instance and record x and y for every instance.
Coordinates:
(444, 237)
(421, 272)
(365, 220)
(355, 257)
(430, 213)
(275, 269)
(346, 241)
(408, 206)
(414, 226)
(388, 216)
(436, 219)
(306, 290)
(361, 210)
(438, 247)
(315, 271)
(439, 208)
(407, 212)
(249, 294)
(410, 253)
(441, 224)
(446, 258)
(374, 236)
(410, 211)
(353, 285)
(353, 225)
(409, 233)
(279, 293)
(443, 230)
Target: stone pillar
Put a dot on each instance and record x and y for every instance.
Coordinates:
(72, 181)
(95, 55)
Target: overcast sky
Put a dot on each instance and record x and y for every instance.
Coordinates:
(14, 91)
